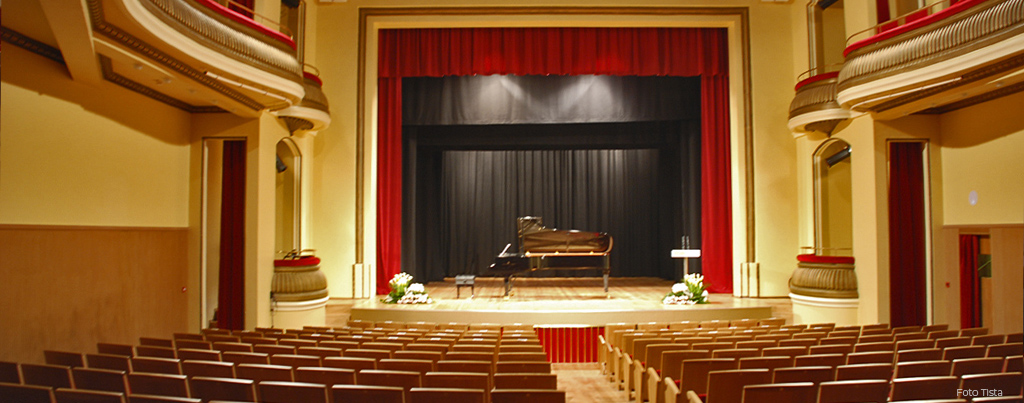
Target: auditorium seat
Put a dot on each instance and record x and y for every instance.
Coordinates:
(694, 373)
(486, 367)
(156, 365)
(966, 366)
(871, 357)
(322, 352)
(506, 367)
(214, 369)
(289, 392)
(924, 354)
(769, 363)
(468, 380)
(880, 371)
(229, 389)
(525, 381)
(65, 358)
(11, 392)
(378, 377)
(53, 376)
(758, 345)
(264, 372)
(784, 351)
(726, 386)
(816, 360)
(469, 356)
(156, 342)
(326, 376)
(338, 344)
(193, 344)
(63, 395)
(779, 392)
(399, 364)
(158, 384)
(99, 379)
(1015, 338)
(9, 372)
(922, 369)
(367, 353)
(503, 357)
(242, 357)
(155, 351)
(1004, 350)
(914, 344)
(943, 334)
(955, 341)
(924, 388)
(527, 396)
(446, 395)
(1007, 384)
(854, 391)
(974, 331)
(1013, 363)
(953, 353)
(115, 349)
(197, 354)
(295, 361)
(353, 363)
(523, 348)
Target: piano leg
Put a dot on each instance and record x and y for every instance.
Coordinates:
(508, 284)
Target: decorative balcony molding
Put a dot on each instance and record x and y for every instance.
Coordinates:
(827, 277)
(313, 113)
(814, 107)
(20, 40)
(934, 57)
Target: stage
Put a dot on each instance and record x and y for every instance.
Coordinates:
(563, 302)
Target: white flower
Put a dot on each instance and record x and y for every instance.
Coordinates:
(416, 288)
(678, 288)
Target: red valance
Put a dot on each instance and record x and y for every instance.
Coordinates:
(683, 52)
(812, 258)
(306, 261)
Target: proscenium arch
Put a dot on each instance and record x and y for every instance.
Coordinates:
(734, 19)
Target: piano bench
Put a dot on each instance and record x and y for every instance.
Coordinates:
(465, 280)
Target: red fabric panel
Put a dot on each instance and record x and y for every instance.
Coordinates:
(715, 195)
(906, 234)
(881, 11)
(570, 344)
(306, 261)
(231, 292)
(970, 298)
(561, 51)
(825, 259)
(389, 182)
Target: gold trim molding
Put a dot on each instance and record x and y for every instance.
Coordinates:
(22, 41)
(110, 75)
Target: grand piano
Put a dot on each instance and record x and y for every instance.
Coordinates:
(542, 248)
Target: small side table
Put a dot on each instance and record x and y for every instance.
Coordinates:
(465, 280)
(686, 255)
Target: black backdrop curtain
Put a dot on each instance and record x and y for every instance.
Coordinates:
(631, 174)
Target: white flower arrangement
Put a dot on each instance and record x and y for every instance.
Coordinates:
(404, 291)
(690, 291)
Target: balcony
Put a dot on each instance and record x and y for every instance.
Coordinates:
(196, 55)
(814, 108)
(936, 59)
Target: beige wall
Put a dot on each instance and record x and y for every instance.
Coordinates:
(985, 158)
(77, 155)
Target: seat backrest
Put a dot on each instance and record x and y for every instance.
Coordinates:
(527, 396)
(736, 353)
(469, 356)
(14, 392)
(505, 367)
(727, 386)
(9, 372)
(155, 351)
(953, 353)
(967, 366)
(264, 372)
(878, 371)
(446, 395)
(193, 344)
(156, 342)
(54, 376)
(244, 357)
(1005, 350)
(485, 367)
(923, 354)
(64, 358)
(924, 388)
(433, 356)
(866, 390)
(325, 376)
(214, 369)
(158, 384)
(382, 377)
(974, 331)
(871, 357)
(656, 351)
(779, 392)
(791, 351)
(769, 363)
(157, 365)
(63, 395)
(288, 392)
(115, 349)
(465, 380)
(526, 381)
(914, 344)
(818, 360)
(672, 361)
(353, 363)
(196, 354)
(322, 352)
(230, 389)
(875, 346)
(815, 375)
(367, 353)
(522, 357)
(99, 379)
(996, 384)
(923, 368)
(1014, 363)
(295, 361)
(694, 373)
(400, 364)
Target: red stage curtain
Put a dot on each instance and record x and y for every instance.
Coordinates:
(906, 234)
(683, 52)
(231, 293)
(970, 298)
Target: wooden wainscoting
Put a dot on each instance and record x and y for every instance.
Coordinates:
(69, 287)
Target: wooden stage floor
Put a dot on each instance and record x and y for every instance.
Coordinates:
(564, 301)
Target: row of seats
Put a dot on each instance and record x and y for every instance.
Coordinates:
(834, 351)
(509, 362)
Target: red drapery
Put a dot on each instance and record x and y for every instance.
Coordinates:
(906, 234)
(231, 292)
(970, 298)
(683, 52)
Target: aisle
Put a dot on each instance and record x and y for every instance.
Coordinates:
(584, 383)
